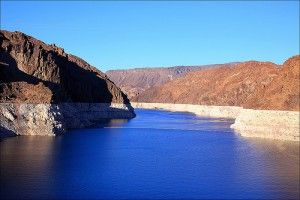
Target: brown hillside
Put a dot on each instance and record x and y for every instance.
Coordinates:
(283, 91)
(135, 81)
(259, 85)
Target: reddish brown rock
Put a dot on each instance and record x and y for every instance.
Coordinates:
(282, 92)
(22, 92)
(135, 81)
(30, 63)
(257, 85)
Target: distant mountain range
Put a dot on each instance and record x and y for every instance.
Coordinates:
(135, 81)
(252, 84)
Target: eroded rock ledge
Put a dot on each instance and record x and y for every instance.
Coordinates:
(272, 124)
(52, 119)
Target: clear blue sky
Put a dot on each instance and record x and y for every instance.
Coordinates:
(114, 35)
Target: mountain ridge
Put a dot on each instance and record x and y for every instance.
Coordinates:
(248, 84)
(137, 80)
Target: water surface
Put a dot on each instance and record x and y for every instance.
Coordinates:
(157, 155)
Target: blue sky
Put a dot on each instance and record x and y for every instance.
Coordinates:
(115, 35)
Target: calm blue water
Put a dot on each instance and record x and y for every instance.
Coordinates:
(157, 155)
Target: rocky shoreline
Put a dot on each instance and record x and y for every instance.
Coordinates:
(53, 119)
(272, 124)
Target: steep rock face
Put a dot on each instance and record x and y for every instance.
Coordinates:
(41, 84)
(256, 85)
(135, 81)
(70, 79)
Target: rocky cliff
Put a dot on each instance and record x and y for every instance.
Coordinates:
(41, 77)
(135, 81)
(255, 85)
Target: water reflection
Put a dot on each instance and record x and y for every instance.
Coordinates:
(27, 161)
(158, 154)
(117, 122)
(281, 162)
